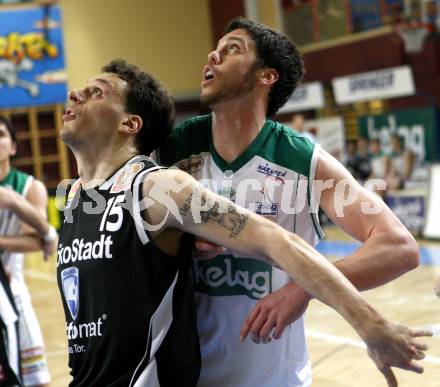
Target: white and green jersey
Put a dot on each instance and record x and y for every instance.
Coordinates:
(10, 224)
(273, 177)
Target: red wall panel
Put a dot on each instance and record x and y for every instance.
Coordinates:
(222, 11)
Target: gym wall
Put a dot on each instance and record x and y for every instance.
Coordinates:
(169, 39)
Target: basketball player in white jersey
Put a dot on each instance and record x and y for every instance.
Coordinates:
(249, 76)
(104, 126)
(23, 228)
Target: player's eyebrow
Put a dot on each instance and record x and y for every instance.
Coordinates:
(103, 81)
(242, 40)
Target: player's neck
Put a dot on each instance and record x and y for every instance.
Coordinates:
(5, 168)
(99, 165)
(235, 126)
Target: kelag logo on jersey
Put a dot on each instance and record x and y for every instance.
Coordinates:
(229, 276)
(70, 282)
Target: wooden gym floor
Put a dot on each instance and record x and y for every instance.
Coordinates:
(337, 354)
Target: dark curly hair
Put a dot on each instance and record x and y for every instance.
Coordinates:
(276, 51)
(149, 99)
(12, 132)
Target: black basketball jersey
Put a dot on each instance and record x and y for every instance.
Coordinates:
(130, 313)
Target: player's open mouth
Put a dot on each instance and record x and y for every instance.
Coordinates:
(69, 115)
(208, 75)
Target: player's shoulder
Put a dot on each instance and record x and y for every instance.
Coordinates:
(289, 137)
(19, 176)
(36, 192)
(165, 181)
(192, 136)
(192, 125)
(287, 148)
(19, 181)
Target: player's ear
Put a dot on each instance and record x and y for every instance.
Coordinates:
(131, 124)
(268, 76)
(13, 151)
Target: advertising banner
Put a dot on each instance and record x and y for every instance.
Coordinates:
(432, 226)
(306, 97)
(418, 127)
(32, 70)
(330, 134)
(381, 84)
(409, 208)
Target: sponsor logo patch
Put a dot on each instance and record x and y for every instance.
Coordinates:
(276, 174)
(266, 210)
(125, 177)
(229, 276)
(85, 330)
(70, 283)
(81, 250)
(191, 165)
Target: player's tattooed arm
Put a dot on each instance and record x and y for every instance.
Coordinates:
(222, 213)
(389, 345)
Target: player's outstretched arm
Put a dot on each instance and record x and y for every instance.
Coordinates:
(388, 250)
(175, 199)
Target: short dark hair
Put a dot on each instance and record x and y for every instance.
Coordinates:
(277, 51)
(149, 99)
(11, 128)
(12, 132)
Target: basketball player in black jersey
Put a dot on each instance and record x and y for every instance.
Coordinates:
(123, 263)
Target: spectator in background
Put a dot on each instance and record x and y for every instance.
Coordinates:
(357, 163)
(364, 158)
(350, 157)
(298, 125)
(401, 164)
(380, 162)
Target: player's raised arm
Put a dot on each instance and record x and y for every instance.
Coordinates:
(174, 199)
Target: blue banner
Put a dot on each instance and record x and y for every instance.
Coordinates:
(32, 70)
(410, 209)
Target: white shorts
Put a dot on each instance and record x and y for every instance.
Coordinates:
(34, 367)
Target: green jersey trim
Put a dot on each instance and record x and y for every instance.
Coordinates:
(275, 143)
(17, 180)
(252, 150)
(312, 200)
(190, 137)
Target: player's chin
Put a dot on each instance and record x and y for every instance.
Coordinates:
(67, 134)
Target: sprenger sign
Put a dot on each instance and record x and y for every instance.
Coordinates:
(32, 70)
(381, 84)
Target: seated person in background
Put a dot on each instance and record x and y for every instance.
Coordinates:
(401, 164)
